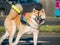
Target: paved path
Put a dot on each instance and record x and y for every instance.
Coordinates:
(42, 40)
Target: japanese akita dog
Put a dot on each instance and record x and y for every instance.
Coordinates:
(30, 25)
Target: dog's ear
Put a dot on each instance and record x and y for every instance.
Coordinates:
(42, 10)
(35, 11)
(42, 13)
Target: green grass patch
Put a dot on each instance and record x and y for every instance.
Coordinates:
(2, 29)
(43, 28)
(50, 28)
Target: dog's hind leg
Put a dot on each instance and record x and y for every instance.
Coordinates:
(19, 35)
(4, 37)
(11, 28)
(35, 36)
(12, 31)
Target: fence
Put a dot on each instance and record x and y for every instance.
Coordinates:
(49, 6)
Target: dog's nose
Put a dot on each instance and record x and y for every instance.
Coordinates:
(38, 18)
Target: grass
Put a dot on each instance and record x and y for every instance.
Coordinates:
(2, 29)
(50, 28)
(43, 28)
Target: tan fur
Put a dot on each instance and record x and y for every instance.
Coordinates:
(13, 20)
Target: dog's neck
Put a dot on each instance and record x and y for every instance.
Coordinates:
(33, 23)
(30, 21)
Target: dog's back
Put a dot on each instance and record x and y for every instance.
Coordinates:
(28, 7)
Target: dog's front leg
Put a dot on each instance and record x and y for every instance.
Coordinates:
(35, 36)
(11, 36)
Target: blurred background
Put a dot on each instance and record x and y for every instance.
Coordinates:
(49, 32)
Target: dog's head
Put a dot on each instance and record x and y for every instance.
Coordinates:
(38, 13)
(39, 16)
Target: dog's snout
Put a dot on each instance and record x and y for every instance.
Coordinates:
(38, 19)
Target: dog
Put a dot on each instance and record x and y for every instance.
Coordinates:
(33, 20)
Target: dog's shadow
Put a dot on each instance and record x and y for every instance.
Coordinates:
(5, 42)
